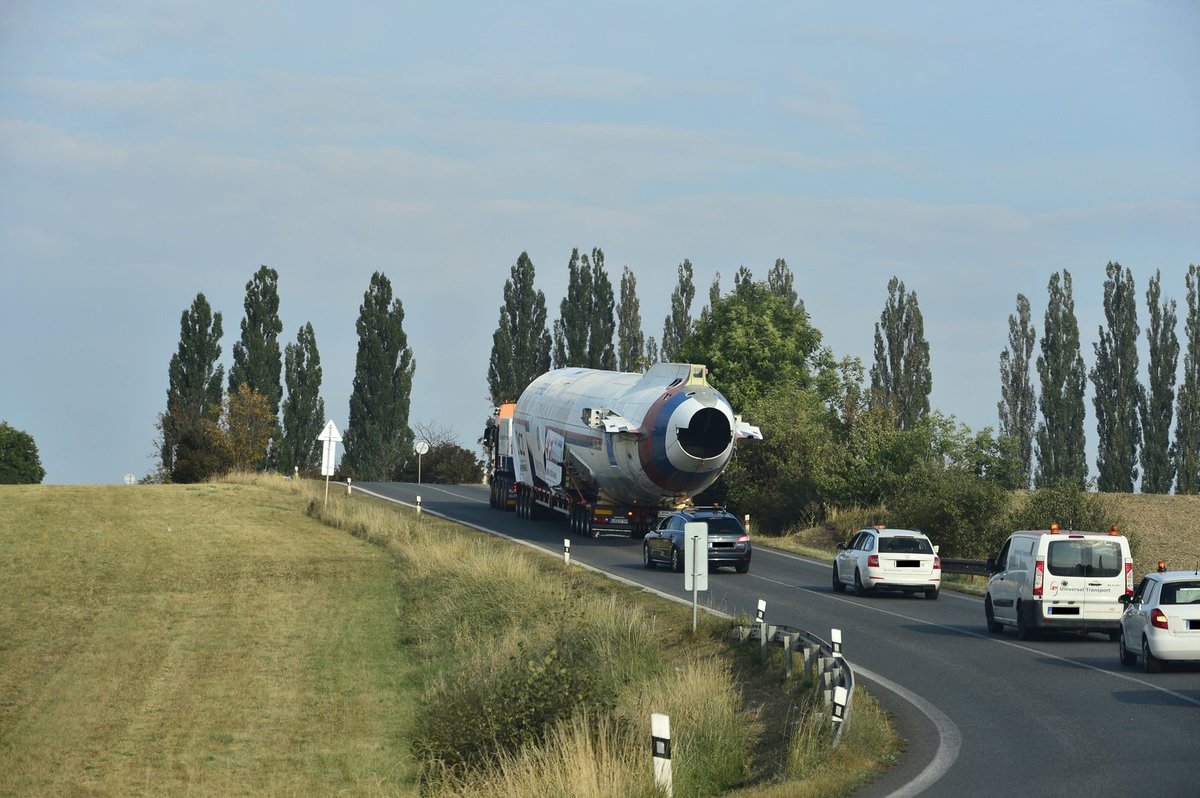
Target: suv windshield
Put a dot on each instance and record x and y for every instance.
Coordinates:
(888, 545)
(1085, 558)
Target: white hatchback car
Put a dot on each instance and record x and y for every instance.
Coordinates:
(889, 559)
(1161, 620)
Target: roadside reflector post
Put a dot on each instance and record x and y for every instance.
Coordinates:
(295, 472)
(566, 551)
(761, 619)
(660, 737)
(347, 486)
(418, 505)
(746, 523)
(695, 557)
(835, 637)
(839, 704)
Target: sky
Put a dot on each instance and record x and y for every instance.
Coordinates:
(151, 151)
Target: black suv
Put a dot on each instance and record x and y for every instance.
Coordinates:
(728, 543)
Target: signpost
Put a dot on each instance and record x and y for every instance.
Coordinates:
(330, 438)
(420, 448)
(695, 551)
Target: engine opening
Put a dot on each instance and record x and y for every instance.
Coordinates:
(707, 434)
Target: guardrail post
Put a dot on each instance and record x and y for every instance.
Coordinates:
(787, 654)
(660, 738)
(760, 618)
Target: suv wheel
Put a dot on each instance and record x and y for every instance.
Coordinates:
(931, 593)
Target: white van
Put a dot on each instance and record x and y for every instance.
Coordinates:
(1051, 579)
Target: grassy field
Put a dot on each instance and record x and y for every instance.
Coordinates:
(237, 638)
(194, 639)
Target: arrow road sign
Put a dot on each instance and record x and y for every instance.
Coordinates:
(331, 438)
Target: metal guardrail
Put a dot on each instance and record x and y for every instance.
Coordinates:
(822, 660)
(972, 567)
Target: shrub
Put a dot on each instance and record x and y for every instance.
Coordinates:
(963, 513)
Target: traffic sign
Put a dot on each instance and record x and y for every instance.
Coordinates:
(331, 438)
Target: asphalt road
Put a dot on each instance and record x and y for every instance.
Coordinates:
(983, 714)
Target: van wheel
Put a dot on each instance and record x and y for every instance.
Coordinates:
(838, 585)
(1150, 663)
(994, 626)
(859, 588)
(1127, 657)
(1023, 630)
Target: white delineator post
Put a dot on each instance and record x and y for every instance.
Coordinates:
(566, 551)
(660, 736)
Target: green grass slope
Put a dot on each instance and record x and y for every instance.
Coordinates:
(194, 639)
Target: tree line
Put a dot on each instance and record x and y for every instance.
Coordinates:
(841, 434)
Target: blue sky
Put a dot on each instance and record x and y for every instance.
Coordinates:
(151, 151)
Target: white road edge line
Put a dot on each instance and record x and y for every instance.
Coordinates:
(949, 737)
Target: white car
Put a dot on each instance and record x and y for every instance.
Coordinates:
(888, 559)
(1161, 620)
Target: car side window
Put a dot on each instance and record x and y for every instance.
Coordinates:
(1140, 593)
(868, 542)
(852, 543)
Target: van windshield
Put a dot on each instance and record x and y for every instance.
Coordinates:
(1085, 558)
(891, 545)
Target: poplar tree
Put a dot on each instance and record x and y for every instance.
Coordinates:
(631, 342)
(1061, 459)
(677, 327)
(194, 384)
(1017, 409)
(256, 357)
(900, 378)
(303, 409)
(601, 322)
(780, 281)
(1186, 450)
(1157, 404)
(378, 440)
(521, 343)
(1115, 385)
(571, 328)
